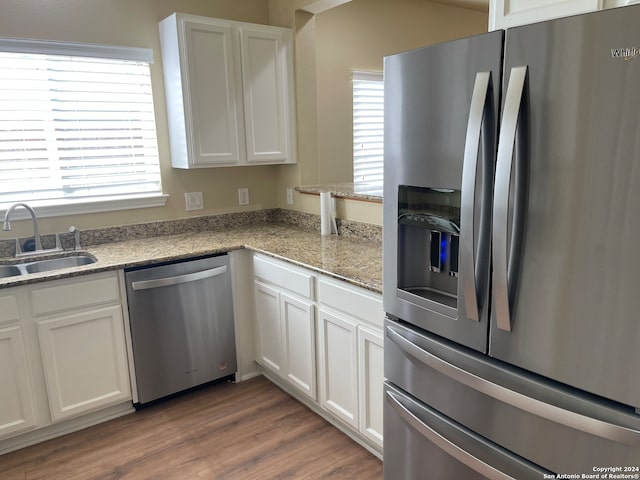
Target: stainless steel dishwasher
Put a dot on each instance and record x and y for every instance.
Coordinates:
(182, 326)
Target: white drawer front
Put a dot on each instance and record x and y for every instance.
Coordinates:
(356, 302)
(75, 293)
(285, 276)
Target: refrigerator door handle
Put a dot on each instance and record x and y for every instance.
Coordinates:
(473, 273)
(571, 419)
(512, 146)
(443, 443)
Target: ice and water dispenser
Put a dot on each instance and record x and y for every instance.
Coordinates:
(428, 242)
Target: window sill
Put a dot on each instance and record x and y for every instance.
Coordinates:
(61, 207)
(366, 193)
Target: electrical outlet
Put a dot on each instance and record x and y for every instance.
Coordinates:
(193, 201)
(243, 196)
(289, 196)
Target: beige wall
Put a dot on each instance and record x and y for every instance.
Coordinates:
(135, 23)
(356, 36)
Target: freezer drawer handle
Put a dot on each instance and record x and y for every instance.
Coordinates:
(512, 146)
(178, 279)
(444, 444)
(474, 268)
(556, 414)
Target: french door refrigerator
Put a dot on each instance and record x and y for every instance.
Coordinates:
(511, 260)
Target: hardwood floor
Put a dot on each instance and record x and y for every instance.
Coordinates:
(248, 430)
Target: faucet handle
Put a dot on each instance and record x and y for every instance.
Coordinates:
(76, 236)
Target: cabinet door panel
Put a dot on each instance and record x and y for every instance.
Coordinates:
(84, 361)
(338, 366)
(371, 378)
(211, 80)
(266, 99)
(17, 413)
(269, 327)
(299, 344)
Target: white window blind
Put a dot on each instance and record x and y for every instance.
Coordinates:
(368, 128)
(76, 123)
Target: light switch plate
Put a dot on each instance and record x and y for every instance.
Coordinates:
(289, 196)
(193, 201)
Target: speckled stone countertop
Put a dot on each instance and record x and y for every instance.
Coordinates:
(355, 260)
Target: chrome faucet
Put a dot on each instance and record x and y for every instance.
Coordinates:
(36, 234)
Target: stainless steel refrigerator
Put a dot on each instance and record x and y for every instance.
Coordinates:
(511, 259)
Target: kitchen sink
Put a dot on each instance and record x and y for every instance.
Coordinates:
(45, 265)
(57, 263)
(9, 271)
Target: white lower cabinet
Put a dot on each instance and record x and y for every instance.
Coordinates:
(351, 356)
(84, 361)
(62, 355)
(17, 409)
(340, 347)
(286, 323)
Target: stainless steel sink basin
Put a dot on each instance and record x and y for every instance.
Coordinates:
(9, 271)
(57, 263)
(45, 265)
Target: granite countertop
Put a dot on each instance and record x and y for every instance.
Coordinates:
(357, 261)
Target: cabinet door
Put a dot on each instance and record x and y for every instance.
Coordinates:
(338, 369)
(509, 13)
(213, 100)
(17, 413)
(84, 360)
(299, 344)
(371, 378)
(268, 103)
(269, 327)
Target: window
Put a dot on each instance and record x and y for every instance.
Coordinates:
(77, 126)
(368, 128)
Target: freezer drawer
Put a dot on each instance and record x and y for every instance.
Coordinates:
(558, 428)
(422, 443)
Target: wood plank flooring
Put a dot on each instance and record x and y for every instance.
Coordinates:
(248, 430)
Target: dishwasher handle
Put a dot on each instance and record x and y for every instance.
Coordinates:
(178, 279)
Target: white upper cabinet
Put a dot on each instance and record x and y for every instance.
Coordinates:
(229, 92)
(510, 13)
